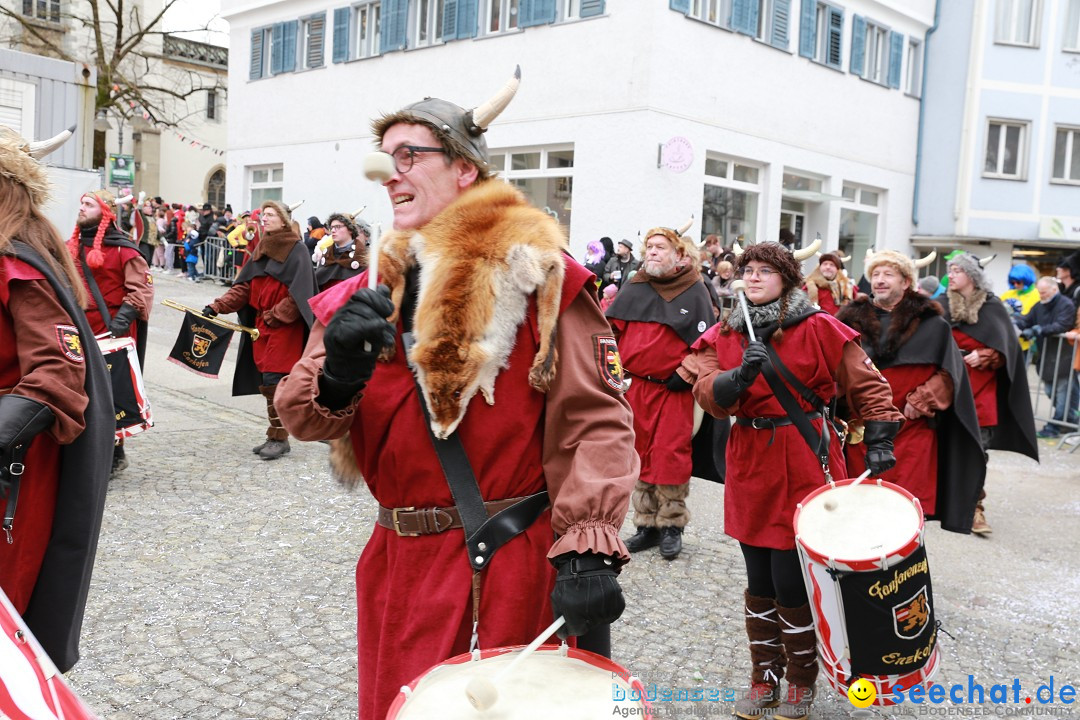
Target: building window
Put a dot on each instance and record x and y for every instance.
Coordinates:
(262, 43)
(730, 199)
(1017, 22)
(500, 15)
(544, 175)
(1006, 149)
(859, 214)
(1072, 27)
(429, 22)
(821, 32)
(215, 189)
(17, 105)
(714, 12)
(873, 63)
(1067, 155)
(313, 41)
(211, 105)
(265, 182)
(47, 10)
(367, 23)
(914, 68)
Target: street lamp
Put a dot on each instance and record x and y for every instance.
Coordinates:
(101, 122)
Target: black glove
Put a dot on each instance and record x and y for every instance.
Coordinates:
(209, 311)
(586, 592)
(20, 420)
(122, 320)
(878, 436)
(728, 386)
(348, 364)
(1031, 332)
(675, 383)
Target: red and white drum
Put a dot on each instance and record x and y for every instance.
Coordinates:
(132, 408)
(553, 682)
(30, 685)
(864, 563)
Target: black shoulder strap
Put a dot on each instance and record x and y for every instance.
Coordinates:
(91, 283)
(819, 444)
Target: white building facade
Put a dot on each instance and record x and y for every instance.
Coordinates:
(749, 115)
(1000, 168)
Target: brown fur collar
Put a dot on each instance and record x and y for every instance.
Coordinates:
(840, 287)
(276, 245)
(964, 311)
(862, 315)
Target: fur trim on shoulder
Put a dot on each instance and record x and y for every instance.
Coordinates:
(862, 315)
(964, 311)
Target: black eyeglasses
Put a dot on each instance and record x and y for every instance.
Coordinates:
(336, 227)
(405, 156)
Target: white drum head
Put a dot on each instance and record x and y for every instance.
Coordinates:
(864, 522)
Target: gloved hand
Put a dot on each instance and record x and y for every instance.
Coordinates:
(586, 592)
(753, 357)
(21, 418)
(121, 321)
(209, 311)
(728, 386)
(675, 383)
(1033, 331)
(348, 364)
(878, 437)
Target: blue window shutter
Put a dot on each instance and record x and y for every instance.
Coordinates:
(288, 46)
(341, 34)
(682, 6)
(808, 29)
(835, 48)
(277, 45)
(742, 12)
(896, 58)
(536, 12)
(591, 8)
(858, 45)
(466, 18)
(780, 24)
(526, 13)
(394, 25)
(256, 54)
(449, 21)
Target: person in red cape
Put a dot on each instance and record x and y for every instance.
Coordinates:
(56, 417)
(939, 452)
(771, 466)
(117, 279)
(827, 286)
(656, 317)
(271, 293)
(419, 599)
(995, 363)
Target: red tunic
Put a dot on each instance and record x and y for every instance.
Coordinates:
(769, 473)
(124, 277)
(983, 382)
(277, 318)
(663, 420)
(915, 445)
(826, 301)
(35, 364)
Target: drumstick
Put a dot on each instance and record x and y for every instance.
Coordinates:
(482, 692)
(740, 289)
(830, 505)
(378, 166)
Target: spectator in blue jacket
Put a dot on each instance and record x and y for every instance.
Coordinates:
(1044, 323)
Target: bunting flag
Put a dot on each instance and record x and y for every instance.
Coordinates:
(201, 346)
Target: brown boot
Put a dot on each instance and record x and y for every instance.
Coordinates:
(766, 656)
(800, 646)
(277, 437)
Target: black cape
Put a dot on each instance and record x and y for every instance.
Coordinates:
(689, 314)
(297, 274)
(116, 238)
(333, 269)
(56, 608)
(1016, 421)
(961, 463)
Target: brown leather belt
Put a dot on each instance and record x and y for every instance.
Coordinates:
(410, 522)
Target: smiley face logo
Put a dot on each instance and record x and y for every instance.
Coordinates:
(861, 693)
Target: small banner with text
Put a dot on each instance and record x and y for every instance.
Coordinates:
(201, 346)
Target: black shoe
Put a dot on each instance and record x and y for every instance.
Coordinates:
(258, 448)
(643, 539)
(670, 542)
(119, 460)
(274, 449)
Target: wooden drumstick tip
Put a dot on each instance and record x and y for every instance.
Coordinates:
(378, 166)
(738, 286)
(481, 693)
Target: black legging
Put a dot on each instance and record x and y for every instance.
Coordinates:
(774, 574)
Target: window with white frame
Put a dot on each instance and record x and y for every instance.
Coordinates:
(730, 199)
(714, 12)
(47, 10)
(499, 15)
(212, 112)
(821, 36)
(578, 9)
(262, 43)
(860, 212)
(429, 22)
(265, 182)
(1071, 42)
(312, 41)
(545, 175)
(1017, 22)
(875, 53)
(1067, 155)
(366, 23)
(17, 105)
(1006, 149)
(914, 68)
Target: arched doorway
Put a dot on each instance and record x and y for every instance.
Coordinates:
(215, 188)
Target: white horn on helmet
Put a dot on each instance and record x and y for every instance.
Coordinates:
(987, 260)
(484, 114)
(923, 262)
(42, 148)
(807, 251)
(682, 231)
(357, 213)
(736, 248)
(124, 200)
(845, 259)
(292, 208)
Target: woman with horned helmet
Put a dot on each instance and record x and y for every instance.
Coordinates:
(771, 467)
(273, 297)
(56, 416)
(343, 253)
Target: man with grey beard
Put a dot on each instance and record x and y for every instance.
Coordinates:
(656, 317)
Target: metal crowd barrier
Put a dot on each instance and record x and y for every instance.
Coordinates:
(221, 261)
(1055, 363)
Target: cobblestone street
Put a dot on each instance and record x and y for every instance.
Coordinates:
(224, 584)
